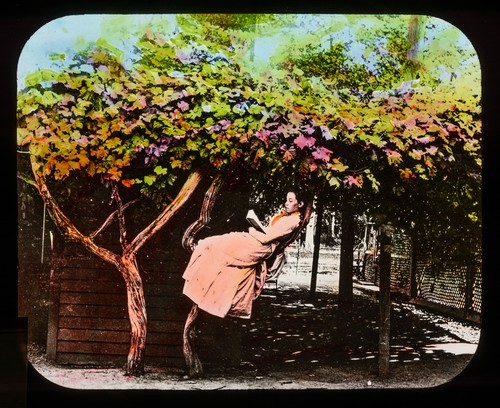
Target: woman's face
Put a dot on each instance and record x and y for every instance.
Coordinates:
(291, 203)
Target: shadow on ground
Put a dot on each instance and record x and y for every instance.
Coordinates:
(295, 341)
(295, 337)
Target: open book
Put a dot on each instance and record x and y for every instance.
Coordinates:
(254, 221)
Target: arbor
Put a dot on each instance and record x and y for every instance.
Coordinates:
(181, 113)
(191, 106)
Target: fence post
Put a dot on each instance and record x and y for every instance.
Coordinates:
(413, 271)
(317, 245)
(386, 231)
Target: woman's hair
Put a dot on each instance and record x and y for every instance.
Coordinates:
(301, 195)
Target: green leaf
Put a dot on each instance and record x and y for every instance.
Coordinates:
(150, 180)
(159, 170)
(40, 76)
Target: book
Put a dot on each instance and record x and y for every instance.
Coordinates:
(254, 221)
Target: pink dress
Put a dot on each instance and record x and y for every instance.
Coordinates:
(221, 277)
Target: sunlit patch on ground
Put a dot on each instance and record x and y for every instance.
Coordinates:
(453, 348)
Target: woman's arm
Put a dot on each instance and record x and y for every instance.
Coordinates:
(281, 228)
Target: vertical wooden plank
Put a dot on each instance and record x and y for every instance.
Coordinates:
(413, 271)
(56, 263)
(469, 289)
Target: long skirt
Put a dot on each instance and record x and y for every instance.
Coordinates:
(221, 275)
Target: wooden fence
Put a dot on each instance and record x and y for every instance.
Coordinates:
(449, 287)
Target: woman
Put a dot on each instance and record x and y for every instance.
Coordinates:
(227, 272)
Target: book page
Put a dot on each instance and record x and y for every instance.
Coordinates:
(254, 221)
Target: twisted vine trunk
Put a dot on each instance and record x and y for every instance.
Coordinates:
(136, 306)
(193, 363)
(126, 263)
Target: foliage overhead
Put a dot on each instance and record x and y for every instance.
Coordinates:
(378, 126)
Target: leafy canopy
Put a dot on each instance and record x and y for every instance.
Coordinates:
(194, 100)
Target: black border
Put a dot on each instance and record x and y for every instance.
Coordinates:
(479, 22)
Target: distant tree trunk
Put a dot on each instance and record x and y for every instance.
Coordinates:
(346, 255)
(316, 247)
(385, 238)
(345, 273)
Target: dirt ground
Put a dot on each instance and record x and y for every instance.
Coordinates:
(298, 342)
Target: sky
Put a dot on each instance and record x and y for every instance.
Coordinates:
(55, 36)
(70, 32)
